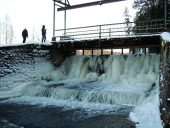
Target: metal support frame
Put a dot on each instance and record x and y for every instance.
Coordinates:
(65, 16)
(88, 4)
(83, 51)
(92, 52)
(101, 51)
(65, 5)
(165, 12)
(111, 51)
(54, 19)
(60, 4)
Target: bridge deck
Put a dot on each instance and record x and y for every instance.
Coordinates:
(111, 43)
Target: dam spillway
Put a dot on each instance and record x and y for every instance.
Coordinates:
(98, 84)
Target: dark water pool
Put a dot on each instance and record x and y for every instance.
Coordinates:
(32, 116)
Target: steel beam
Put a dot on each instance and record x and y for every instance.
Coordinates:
(165, 12)
(62, 3)
(54, 19)
(87, 4)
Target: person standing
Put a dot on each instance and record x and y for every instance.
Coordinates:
(43, 33)
(24, 35)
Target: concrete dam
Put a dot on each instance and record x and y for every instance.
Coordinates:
(111, 87)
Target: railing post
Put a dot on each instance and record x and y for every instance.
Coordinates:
(99, 31)
(83, 51)
(101, 51)
(109, 32)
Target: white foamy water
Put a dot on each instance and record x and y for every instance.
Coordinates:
(97, 83)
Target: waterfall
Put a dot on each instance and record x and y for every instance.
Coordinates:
(114, 79)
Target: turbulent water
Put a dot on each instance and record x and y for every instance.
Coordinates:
(98, 84)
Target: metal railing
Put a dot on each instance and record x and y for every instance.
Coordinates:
(152, 27)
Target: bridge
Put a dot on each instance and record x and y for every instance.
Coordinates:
(143, 34)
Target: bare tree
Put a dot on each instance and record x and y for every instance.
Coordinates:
(0, 31)
(35, 36)
(6, 30)
(127, 21)
(11, 36)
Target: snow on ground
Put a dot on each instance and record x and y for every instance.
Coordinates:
(147, 115)
(27, 43)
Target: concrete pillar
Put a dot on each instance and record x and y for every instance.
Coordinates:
(164, 80)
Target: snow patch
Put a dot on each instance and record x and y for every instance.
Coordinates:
(166, 36)
(147, 115)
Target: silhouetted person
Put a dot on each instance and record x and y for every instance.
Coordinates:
(24, 35)
(43, 33)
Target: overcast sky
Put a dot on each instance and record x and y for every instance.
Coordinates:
(32, 14)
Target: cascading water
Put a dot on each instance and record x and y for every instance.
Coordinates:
(100, 81)
(123, 80)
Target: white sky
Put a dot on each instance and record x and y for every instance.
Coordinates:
(32, 14)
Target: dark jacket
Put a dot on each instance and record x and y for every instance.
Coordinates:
(25, 33)
(43, 31)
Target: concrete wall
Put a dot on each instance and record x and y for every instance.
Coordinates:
(18, 63)
(164, 83)
(12, 56)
